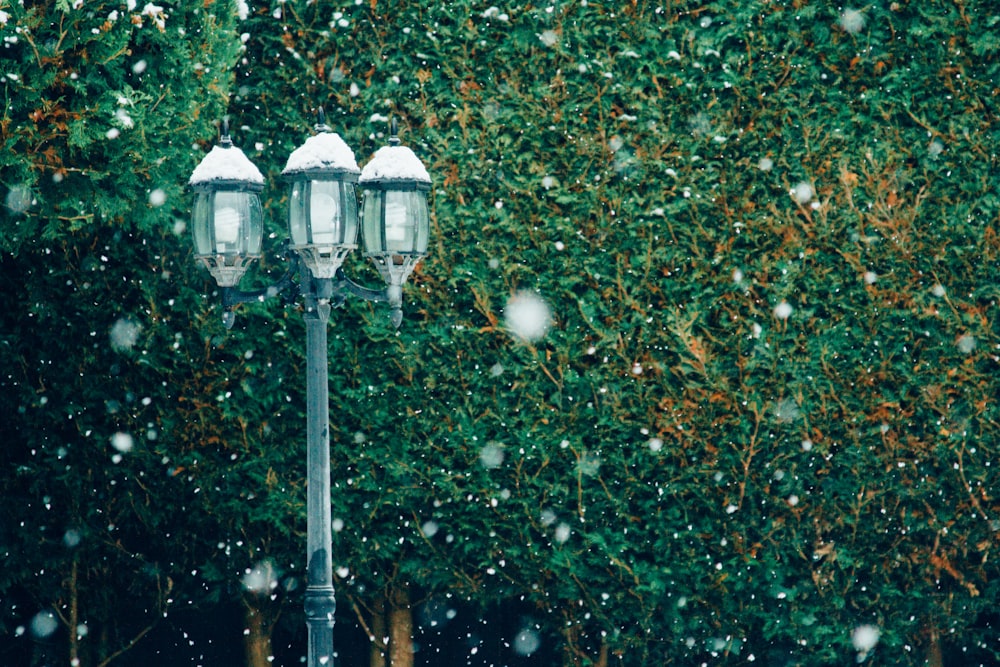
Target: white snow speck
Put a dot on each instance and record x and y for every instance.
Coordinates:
(765, 164)
(871, 277)
(802, 193)
(157, 197)
(325, 150)
(526, 642)
(491, 456)
(865, 637)
(19, 199)
(966, 344)
(783, 310)
(938, 290)
(139, 67)
(548, 37)
(123, 442)
(852, 21)
(44, 624)
(563, 532)
(124, 335)
(655, 444)
(527, 316)
(261, 579)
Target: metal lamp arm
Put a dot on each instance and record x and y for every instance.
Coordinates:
(233, 296)
(392, 293)
(345, 285)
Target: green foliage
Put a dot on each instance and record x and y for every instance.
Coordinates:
(752, 424)
(764, 413)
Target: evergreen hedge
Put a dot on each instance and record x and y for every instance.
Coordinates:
(764, 415)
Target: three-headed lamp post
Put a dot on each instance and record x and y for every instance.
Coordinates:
(323, 226)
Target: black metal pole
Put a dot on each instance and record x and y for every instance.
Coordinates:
(319, 596)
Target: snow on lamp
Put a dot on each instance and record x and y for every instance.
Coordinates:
(395, 223)
(323, 204)
(228, 221)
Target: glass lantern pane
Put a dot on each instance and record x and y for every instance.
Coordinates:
(399, 226)
(371, 221)
(297, 219)
(325, 220)
(349, 198)
(254, 227)
(231, 212)
(201, 221)
(421, 220)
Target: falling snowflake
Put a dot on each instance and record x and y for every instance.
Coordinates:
(526, 642)
(548, 38)
(852, 21)
(122, 442)
(783, 310)
(527, 316)
(803, 193)
(491, 456)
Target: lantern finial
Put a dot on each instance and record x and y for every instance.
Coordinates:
(225, 140)
(321, 125)
(393, 131)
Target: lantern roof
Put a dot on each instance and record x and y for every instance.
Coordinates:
(226, 163)
(324, 151)
(394, 163)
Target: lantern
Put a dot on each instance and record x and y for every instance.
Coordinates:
(323, 204)
(227, 223)
(395, 221)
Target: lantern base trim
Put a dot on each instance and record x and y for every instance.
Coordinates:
(323, 262)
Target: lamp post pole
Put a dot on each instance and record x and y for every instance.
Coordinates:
(323, 222)
(320, 603)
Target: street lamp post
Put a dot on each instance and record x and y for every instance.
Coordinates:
(323, 224)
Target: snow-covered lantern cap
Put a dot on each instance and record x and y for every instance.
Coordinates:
(323, 204)
(228, 222)
(395, 220)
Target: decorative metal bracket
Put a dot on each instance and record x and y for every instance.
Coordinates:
(333, 292)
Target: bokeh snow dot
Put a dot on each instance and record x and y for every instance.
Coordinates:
(124, 335)
(526, 642)
(122, 442)
(491, 456)
(157, 197)
(852, 21)
(527, 316)
(865, 637)
(44, 624)
(802, 193)
(783, 310)
(19, 199)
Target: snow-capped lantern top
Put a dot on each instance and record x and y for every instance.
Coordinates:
(394, 164)
(226, 164)
(322, 152)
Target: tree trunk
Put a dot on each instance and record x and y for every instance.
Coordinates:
(934, 657)
(400, 627)
(377, 653)
(257, 637)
